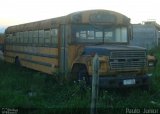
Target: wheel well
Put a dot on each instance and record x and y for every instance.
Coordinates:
(77, 66)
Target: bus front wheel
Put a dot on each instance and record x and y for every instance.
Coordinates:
(79, 73)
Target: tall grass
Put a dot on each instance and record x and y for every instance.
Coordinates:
(21, 87)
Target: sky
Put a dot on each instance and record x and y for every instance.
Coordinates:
(13, 12)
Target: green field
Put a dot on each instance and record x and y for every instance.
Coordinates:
(35, 92)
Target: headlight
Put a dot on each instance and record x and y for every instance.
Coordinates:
(150, 64)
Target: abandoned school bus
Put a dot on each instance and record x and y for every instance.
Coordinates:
(67, 44)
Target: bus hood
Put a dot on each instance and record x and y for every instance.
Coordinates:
(106, 49)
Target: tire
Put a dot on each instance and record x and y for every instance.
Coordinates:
(79, 73)
(17, 61)
(82, 75)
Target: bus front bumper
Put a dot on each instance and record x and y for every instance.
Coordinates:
(122, 81)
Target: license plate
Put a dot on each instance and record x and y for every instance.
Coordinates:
(129, 82)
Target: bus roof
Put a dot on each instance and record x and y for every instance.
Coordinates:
(89, 16)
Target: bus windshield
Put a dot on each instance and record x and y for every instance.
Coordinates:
(99, 34)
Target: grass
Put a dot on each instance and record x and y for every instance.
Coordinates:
(27, 89)
(21, 87)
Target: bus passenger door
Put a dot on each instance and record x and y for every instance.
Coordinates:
(63, 50)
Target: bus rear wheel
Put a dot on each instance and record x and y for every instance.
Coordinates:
(17, 61)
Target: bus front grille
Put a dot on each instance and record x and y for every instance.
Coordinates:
(127, 60)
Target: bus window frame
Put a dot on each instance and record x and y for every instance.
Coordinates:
(100, 41)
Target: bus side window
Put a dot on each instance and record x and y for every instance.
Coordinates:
(23, 33)
(7, 38)
(35, 37)
(26, 37)
(21, 37)
(41, 37)
(54, 36)
(14, 38)
(30, 37)
(17, 37)
(47, 37)
(10, 38)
